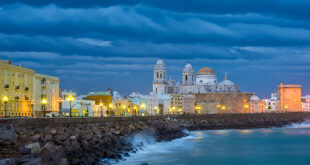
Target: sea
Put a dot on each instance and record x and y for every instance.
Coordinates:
(289, 145)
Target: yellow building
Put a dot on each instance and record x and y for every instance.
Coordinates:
(46, 89)
(176, 104)
(16, 83)
(104, 100)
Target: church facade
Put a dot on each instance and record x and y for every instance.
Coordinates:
(205, 81)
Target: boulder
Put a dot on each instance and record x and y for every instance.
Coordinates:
(36, 137)
(35, 147)
(8, 161)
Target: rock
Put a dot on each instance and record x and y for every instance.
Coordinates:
(8, 161)
(25, 151)
(35, 147)
(64, 161)
(36, 137)
(53, 131)
(49, 147)
(33, 161)
(73, 137)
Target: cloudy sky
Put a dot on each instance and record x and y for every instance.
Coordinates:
(95, 44)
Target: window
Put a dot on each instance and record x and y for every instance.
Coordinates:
(185, 77)
(157, 75)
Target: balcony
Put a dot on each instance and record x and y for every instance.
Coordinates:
(17, 87)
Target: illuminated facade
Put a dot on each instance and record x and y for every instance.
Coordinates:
(205, 81)
(46, 88)
(104, 100)
(16, 83)
(289, 97)
(124, 108)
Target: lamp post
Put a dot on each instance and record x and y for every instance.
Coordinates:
(124, 107)
(111, 108)
(246, 107)
(5, 99)
(155, 108)
(32, 104)
(101, 105)
(286, 108)
(70, 99)
(44, 102)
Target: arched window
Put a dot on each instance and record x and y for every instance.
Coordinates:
(185, 77)
(157, 74)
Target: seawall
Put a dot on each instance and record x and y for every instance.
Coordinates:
(86, 140)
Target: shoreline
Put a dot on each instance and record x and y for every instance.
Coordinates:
(87, 140)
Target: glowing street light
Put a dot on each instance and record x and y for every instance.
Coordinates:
(223, 107)
(5, 99)
(286, 108)
(70, 99)
(101, 105)
(111, 108)
(44, 102)
(32, 102)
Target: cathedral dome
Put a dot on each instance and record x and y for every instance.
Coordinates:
(205, 70)
(254, 98)
(226, 82)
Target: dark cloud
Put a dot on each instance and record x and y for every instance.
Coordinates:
(94, 44)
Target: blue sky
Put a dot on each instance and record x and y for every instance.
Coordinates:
(95, 44)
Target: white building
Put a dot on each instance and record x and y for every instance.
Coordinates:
(156, 103)
(205, 81)
(270, 103)
(305, 103)
(79, 107)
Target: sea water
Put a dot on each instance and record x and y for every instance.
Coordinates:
(284, 146)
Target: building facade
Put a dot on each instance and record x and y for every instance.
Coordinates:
(289, 97)
(16, 83)
(46, 87)
(305, 102)
(205, 81)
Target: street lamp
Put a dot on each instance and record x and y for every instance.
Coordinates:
(111, 108)
(286, 108)
(5, 99)
(124, 107)
(44, 102)
(70, 99)
(32, 104)
(246, 107)
(101, 105)
(179, 110)
(135, 107)
(173, 108)
(156, 109)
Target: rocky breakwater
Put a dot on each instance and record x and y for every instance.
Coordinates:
(87, 140)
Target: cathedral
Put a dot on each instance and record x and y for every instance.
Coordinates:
(205, 81)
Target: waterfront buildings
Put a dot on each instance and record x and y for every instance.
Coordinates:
(270, 104)
(256, 105)
(124, 108)
(205, 81)
(16, 83)
(305, 102)
(29, 93)
(210, 95)
(104, 100)
(46, 95)
(189, 104)
(289, 97)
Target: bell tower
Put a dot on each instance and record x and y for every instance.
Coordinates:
(160, 77)
(188, 75)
